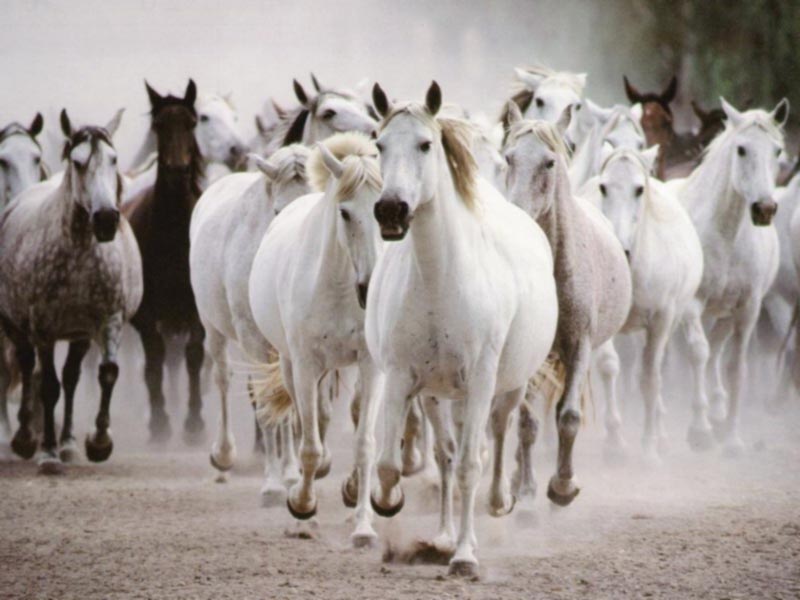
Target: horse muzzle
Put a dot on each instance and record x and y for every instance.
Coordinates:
(104, 224)
(394, 218)
(762, 212)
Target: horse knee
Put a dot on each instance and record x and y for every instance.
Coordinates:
(569, 421)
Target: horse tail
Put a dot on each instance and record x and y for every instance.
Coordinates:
(549, 382)
(271, 399)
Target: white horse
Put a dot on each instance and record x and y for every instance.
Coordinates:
(730, 198)
(462, 306)
(317, 118)
(228, 222)
(666, 261)
(218, 137)
(308, 291)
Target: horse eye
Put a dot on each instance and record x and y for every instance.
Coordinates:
(603, 189)
(509, 160)
(778, 152)
(345, 214)
(550, 164)
(638, 191)
(203, 118)
(37, 160)
(3, 163)
(329, 114)
(425, 146)
(113, 160)
(577, 107)
(539, 102)
(741, 151)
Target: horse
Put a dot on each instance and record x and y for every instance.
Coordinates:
(666, 262)
(592, 277)
(217, 135)
(462, 302)
(226, 229)
(730, 197)
(317, 118)
(160, 219)
(71, 271)
(543, 94)
(316, 260)
(712, 123)
(21, 167)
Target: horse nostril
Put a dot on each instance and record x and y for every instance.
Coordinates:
(402, 210)
(362, 294)
(628, 255)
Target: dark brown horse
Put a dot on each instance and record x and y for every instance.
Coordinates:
(160, 218)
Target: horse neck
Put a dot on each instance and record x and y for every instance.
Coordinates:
(334, 259)
(441, 230)
(176, 192)
(557, 220)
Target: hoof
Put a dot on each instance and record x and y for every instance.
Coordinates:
(99, 450)
(325, 466)
(562, 493)
(700, 440)
(272, 495)
(388, 512)
(414, 465)
(49, 464)
(68, 451)
(463, 568)
(720, 429)
(733, 447)
(160, 431)
(364, 539)
(220, 466)
(301, 516)
(504, 510)
(24, 445)
(349, 495)
(194, 435)
(615, 453)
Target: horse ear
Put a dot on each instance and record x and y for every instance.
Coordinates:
(582, 79)
(637, 112)
(668, 95)
(634, 96)
(113, 124)
(734, 116)
(190, 95)
(260, 127)
(36, 125)
(330, 161)
(66, 126)
(279, 110)
(300, 93)
(315, 83)
(380, 101)
(513, 113)
(563, 121)
(600, 114)
(433, 99)
(155, 98)
(781, 112)
(530, 80)
(266, 167)
(649, 157)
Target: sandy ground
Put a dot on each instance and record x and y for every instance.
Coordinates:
(151, 523)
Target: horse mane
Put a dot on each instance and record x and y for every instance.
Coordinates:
(16, 128)
(621, 113)
(94, 135)
(457, 137)
(291, 162)
(359, 157)
(545, 132)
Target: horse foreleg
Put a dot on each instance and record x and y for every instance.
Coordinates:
(154, 354)
(607, 361)
(285, 433)
(700, 436)
(524, 481)
(501, 501)
(193, 426)
(438, 412)
(563, 487)
(327, 393)
(24, 440)
(478, 405)
(737, 376)
(657, 334)
(364, 534)
(5, 386)
(99, 444)
(70, 375)
(717, 339)
(398, 392)
(49, 462)
(223, 450)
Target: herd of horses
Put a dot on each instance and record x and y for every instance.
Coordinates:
(455, 272)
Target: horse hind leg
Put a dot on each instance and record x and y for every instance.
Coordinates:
(99, 443)
(737, 376)
(24, 441)
(413, 458)
(48, 461)
(193, 426)
(717, 340)
(523, 481)
(70, 375)
(607, 361)
(501, 500)
(438, 412)
(652, 363)
(327, 393)
(223, 450)
(154, 355)
(700, 435)
(5, 386)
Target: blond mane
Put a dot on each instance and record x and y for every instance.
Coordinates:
(359, 157)
(457, 138)
(545, 132)
(291, 162)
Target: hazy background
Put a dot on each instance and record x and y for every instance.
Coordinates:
(93, 55)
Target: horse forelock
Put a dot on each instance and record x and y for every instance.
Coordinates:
(15, 128)
(90, 133)
(290, 162)
(620, 114)
(545, 132)
(359, 157)
(456, 137)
